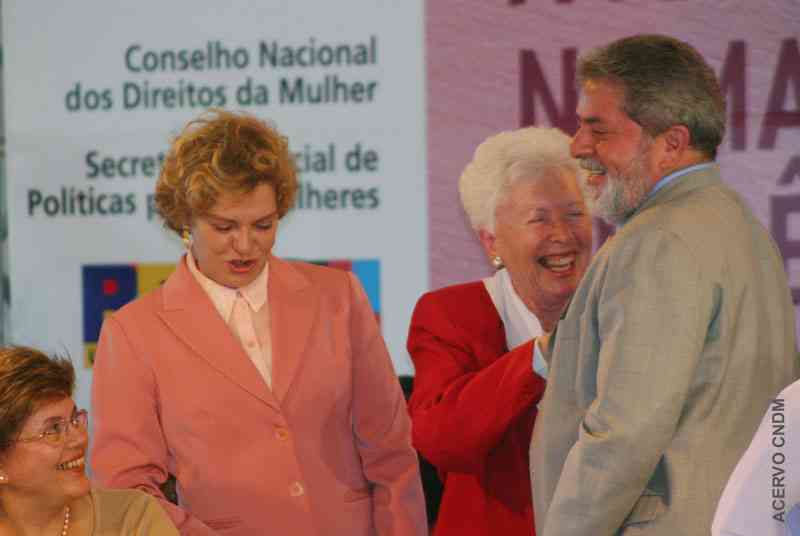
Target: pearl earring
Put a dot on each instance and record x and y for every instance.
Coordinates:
(497, 262)
(186, 238)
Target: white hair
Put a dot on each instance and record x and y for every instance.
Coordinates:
(503, 159)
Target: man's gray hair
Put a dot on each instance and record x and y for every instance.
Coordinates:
(503, 159)
(665, 82)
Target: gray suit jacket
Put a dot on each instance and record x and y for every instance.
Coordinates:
(678, 336)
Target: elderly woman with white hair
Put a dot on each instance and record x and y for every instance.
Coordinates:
(476, 386)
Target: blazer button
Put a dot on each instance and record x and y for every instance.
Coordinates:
(282, 433)
(296, 489)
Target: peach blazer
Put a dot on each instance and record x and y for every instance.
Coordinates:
(326, 451)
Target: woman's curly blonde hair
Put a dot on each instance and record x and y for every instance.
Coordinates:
(222, 153)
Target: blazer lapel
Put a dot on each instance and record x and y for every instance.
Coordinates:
(191, 316)
(293, 304)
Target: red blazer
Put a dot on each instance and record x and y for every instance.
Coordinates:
(326, 451)
(472, 409)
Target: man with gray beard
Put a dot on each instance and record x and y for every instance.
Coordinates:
(682, 328)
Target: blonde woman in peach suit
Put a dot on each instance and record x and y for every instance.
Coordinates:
(263, 385)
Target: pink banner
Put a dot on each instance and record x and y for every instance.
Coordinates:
(498, 65)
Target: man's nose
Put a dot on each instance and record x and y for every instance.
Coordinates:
(581, 145)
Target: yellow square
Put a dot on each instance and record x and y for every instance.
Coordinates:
(151, 276)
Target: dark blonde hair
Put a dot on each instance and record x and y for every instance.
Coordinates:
(28, 378)
(223, 153)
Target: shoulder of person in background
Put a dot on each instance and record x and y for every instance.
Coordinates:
(130, 511)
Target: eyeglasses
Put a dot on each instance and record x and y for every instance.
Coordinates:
(56, 432)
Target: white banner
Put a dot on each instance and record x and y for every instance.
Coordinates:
(94, 91)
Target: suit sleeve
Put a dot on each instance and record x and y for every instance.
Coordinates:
(128, 448)
(652, 315)
(382, 427)
(461, 412)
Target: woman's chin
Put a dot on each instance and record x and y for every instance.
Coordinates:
(77, 487)
(557, 296)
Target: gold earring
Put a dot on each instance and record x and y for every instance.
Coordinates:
(497, 262)
(186, 238)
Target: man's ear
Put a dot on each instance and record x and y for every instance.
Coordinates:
(676, 144)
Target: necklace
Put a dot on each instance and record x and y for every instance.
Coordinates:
(66, 523)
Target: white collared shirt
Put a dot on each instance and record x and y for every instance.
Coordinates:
(252, 328)
(519, 323)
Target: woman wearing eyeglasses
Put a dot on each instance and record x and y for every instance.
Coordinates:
(43, 442)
